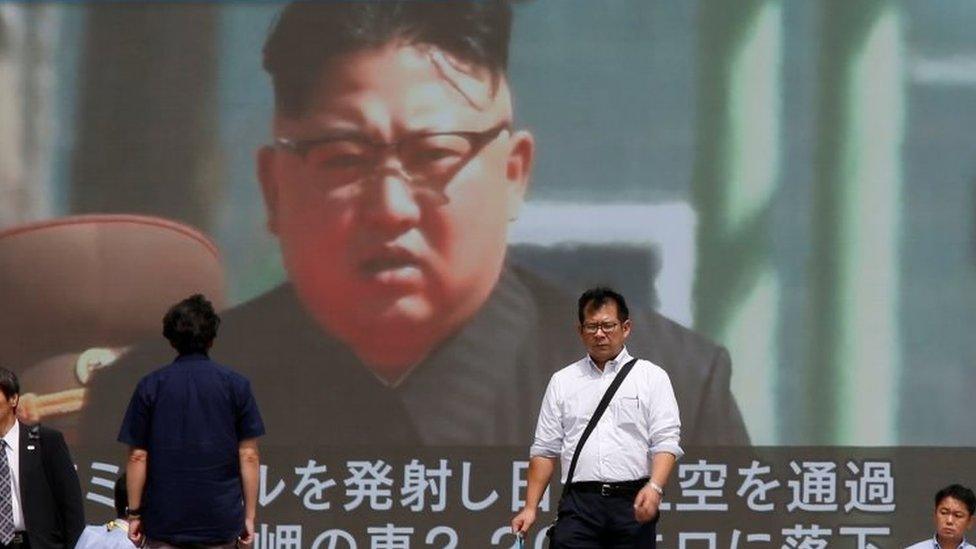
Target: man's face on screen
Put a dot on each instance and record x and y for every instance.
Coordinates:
(391, 196)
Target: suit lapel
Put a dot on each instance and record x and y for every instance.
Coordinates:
(30, 456)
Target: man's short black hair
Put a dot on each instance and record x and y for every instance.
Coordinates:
(9, 385)
(191, 325)
(121, 497)
(958, 492)
(597, 297)
(307, 35)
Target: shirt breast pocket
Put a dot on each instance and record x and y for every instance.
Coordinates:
(628, 411)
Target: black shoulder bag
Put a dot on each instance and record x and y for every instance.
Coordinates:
(594, 419)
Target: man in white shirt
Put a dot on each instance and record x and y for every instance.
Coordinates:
(613, 498)
(114, 534)
(954, 508)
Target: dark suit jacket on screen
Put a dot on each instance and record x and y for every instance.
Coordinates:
(49, 491)
(481, 387)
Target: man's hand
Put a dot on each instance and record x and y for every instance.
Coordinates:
(135, 531)
(247, 536)
(646, 504)
(523, 521)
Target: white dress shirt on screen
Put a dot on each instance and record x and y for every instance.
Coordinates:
(641, 420)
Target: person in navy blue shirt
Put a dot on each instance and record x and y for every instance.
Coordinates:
(192, 429)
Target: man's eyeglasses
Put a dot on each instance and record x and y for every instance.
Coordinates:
(593, 327)
(425, 158)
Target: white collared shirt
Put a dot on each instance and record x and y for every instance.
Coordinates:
(114, 535)
(641, 420)
(13, 461)
(933, 543)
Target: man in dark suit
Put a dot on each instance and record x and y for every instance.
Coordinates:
(40, 498)
(395, 171)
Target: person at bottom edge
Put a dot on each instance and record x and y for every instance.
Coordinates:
(953, 517)
(115, 533)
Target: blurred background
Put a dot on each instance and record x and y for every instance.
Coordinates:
(795, 179)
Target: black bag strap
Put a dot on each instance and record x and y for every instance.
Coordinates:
(597, 414)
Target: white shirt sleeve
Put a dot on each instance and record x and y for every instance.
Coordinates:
(663, 420)
(549, 430)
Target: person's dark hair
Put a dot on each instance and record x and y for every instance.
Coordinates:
(959, 492)
(307, 35)
(191, 325)
(9, 385)
(597, 297)
(121, 497)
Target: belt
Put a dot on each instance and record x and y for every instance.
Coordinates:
(626, 488)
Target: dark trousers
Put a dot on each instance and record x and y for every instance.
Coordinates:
(156, 544)
(588, 520)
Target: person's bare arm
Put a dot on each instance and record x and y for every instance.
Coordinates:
(250, 467)
(135, 482)
(540, 471)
